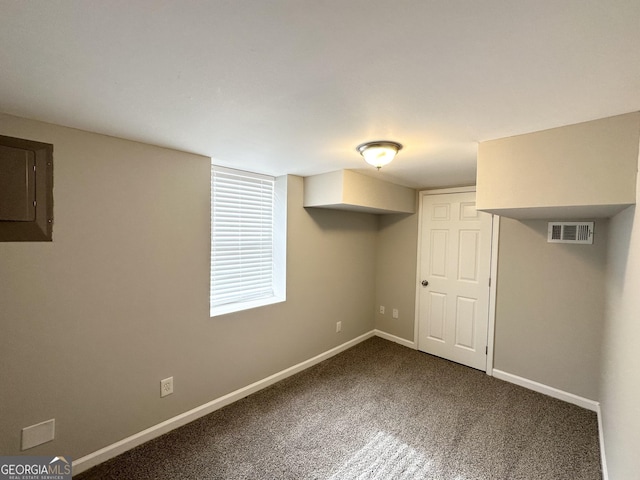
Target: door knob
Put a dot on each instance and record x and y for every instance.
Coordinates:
(424, 283)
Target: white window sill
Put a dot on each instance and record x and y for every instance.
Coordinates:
(238, 307)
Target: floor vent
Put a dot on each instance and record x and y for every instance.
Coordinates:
(570, 232)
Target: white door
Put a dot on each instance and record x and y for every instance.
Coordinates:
(455, 265)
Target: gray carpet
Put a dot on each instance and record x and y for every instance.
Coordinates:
(377, 411)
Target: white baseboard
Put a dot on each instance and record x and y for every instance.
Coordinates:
(547, 390)
(393, 338)
(115, 449)
(603, 459)
(567, 397)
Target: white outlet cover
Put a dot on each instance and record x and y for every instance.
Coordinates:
(166, 387)
(338, 327)
(38, 434)
(382, 309)
(395, 313)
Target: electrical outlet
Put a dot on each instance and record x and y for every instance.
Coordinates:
(166, 387)
(395, 313)
(382, 309)
(38, 434)
(338, 327)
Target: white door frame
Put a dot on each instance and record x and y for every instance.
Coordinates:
(495, 230)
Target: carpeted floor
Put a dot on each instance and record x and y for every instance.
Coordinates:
(377, 411)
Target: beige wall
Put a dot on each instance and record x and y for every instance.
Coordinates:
(91, 322)
(620, 377)
(366, 191)
(550, 306)
(349, 190)
(550, 301)
(396, 262)
(588, 164)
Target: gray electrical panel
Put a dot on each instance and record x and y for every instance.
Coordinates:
(26, 190)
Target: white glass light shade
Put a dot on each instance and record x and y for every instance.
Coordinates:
(380, 153)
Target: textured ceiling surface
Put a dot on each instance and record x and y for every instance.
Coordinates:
(293, 86)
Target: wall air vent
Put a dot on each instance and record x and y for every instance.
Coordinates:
(570, 232)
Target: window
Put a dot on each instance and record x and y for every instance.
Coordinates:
(248, 240)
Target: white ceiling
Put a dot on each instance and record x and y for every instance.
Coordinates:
(293, 86)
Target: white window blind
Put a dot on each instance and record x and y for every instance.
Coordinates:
(242, 236)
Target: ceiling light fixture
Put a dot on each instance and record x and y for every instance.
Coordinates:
(379, 153)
